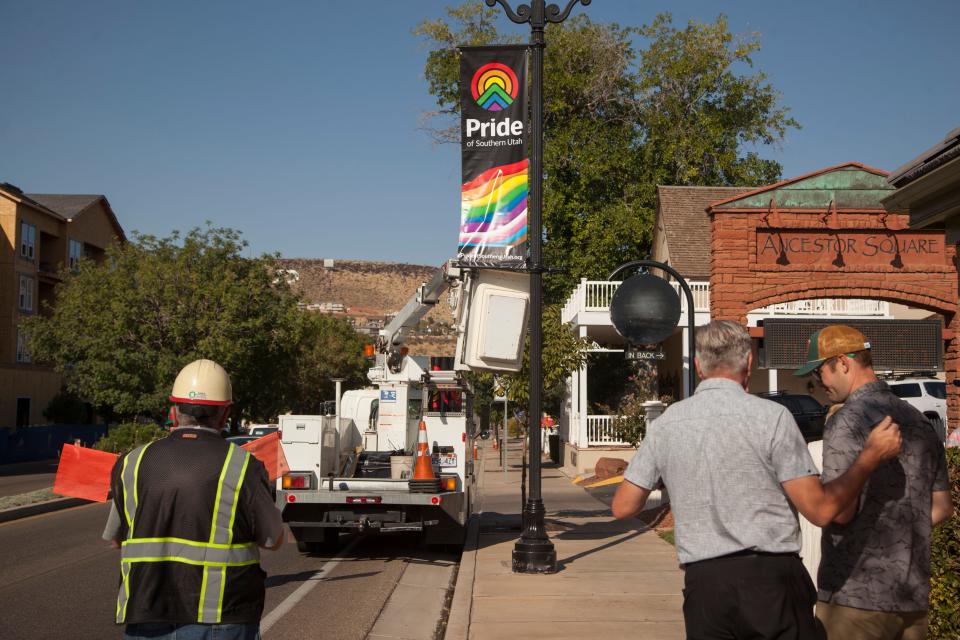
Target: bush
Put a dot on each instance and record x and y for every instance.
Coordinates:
(945, 563)
(126, 437)
(65, 408)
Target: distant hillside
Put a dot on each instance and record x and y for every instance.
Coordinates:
(371, 290)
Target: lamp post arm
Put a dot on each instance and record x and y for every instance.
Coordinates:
(537, 13)
(520, 16)
(553, 13)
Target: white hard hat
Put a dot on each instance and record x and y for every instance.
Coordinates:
(202, 382)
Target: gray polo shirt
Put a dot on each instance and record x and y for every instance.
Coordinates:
(880, 560)
(722, 455)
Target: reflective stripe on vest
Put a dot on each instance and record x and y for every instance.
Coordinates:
(221, 532)
(128, 480)
(190, 552)
(214, 555)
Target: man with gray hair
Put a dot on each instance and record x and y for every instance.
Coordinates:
(733, 464)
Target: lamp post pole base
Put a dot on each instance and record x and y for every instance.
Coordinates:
(534, 552)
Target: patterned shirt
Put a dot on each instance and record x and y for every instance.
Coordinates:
(880, 560)
(722, 455)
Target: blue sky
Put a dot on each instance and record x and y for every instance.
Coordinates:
(297, 121)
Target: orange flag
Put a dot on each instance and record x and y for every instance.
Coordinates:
(268, 451)
(84, 473)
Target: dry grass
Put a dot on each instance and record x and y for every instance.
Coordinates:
(372, 290)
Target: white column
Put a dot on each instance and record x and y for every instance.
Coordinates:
(771, 380)
(653, 409)
(582, 406)
(684, 341)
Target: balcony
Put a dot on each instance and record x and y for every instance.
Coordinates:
(845, 307)
(589, 304)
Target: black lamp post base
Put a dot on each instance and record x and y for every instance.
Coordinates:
(534, 556)
(534, 552)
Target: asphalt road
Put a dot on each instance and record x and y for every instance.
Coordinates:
(26, 476)
(59, 580)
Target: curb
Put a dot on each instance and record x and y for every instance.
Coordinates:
(458, 621)
(16, 513)
(461, 606)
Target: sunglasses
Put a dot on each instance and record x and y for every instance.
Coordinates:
(816, 372)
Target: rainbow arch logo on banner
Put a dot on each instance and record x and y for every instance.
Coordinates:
(494, 86)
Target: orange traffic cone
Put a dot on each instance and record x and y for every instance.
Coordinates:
(424, 480)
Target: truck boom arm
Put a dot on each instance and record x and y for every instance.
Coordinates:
(427, 296)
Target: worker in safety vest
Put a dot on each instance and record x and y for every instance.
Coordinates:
(190, 514)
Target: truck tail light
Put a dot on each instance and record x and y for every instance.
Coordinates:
(435, 500)
(364, 499)
(297, 481)
(448, 483)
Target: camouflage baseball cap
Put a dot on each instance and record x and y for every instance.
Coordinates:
(830, 342)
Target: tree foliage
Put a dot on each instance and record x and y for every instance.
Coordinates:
(945, 562)
(122, 328)
(686, 109)
(630, 414)
(124, 438)
(328, 348)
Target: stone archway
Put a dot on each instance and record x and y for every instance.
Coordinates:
(826, 235)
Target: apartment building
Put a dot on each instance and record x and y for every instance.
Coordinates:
(39, 234)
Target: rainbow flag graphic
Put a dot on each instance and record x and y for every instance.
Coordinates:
(493, 208)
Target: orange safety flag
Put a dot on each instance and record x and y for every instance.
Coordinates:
(268, 451)
(84, 473)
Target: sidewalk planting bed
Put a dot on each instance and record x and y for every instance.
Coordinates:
(24, 499)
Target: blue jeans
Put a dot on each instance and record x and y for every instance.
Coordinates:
(170, 631)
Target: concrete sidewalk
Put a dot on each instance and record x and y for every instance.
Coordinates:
(615, 579)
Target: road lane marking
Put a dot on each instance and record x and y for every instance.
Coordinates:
(291, 601)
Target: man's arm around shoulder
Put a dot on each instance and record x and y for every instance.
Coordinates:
(942, 507)
(834, 501)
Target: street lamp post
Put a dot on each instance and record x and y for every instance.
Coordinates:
(533, 552)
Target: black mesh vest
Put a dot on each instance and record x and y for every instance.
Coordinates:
(191, 556)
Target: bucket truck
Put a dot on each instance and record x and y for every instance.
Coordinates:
(352, 471)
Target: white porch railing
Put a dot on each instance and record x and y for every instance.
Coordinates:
(595, 295)
(600, 431)
(827, 306)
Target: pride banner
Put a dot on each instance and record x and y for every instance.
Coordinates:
(493, 141)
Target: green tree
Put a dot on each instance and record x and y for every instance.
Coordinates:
(619, 120)
(124, 438)
(122, 328)
(328, 348)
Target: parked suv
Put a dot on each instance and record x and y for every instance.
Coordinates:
(928, 395)
(807, 412)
